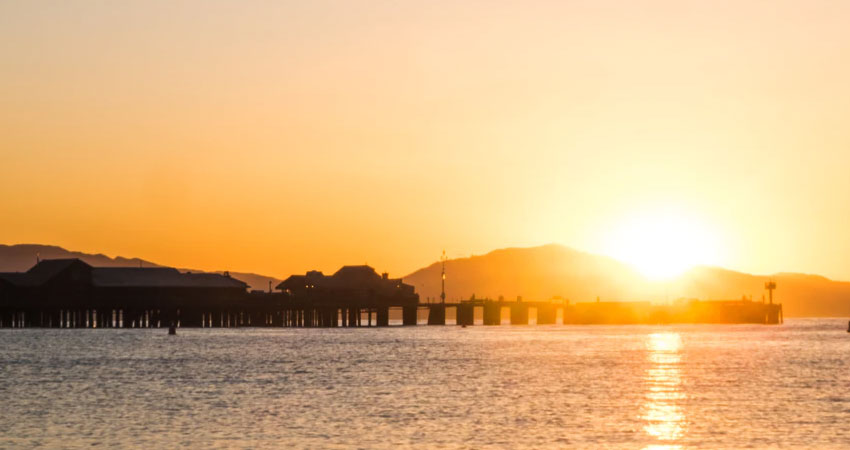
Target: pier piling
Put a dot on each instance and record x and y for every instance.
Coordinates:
(492, 313)
(519, 314)
(437, 314)
(466, 314)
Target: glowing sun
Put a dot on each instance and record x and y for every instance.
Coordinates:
(662, 246)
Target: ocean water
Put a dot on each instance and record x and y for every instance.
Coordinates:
(694, 386)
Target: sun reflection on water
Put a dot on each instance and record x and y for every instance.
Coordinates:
(663, 417)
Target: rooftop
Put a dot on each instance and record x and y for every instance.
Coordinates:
(46, 270)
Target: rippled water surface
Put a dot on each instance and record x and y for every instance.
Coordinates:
(703, 386)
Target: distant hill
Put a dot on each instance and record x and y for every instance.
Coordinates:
(554, 270)
(533, 273)
(19, 258)
(541, 273)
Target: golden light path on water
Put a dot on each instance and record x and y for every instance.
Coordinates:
(661, 412)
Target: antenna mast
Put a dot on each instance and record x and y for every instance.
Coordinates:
(443, 279)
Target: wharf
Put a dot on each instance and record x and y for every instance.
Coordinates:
(71, 294)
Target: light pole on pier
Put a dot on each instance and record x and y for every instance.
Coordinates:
(443, 279)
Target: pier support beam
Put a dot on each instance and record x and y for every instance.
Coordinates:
(409, 315)
(773, 314)
(437, 314)
(492, 313)
(546, 314)
(519, 314)
(354, 316)
(465, 314)
(383, 316)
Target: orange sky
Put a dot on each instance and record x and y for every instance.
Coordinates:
(276, 137)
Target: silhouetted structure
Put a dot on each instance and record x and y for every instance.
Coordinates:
(349, 292)
(518, 312)
(68, 293)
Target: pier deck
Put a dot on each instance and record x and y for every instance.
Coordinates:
(72, 294)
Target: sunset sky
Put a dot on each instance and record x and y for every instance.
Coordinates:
(277, 137)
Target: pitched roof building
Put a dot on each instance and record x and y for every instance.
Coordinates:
(73, 282)
(350, 284)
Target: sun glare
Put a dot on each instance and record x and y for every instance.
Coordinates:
(662, 246)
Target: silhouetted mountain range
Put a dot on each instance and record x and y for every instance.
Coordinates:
(544, 272)
(554, 270)
(19, 258)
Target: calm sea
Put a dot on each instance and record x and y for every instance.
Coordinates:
(700, 386)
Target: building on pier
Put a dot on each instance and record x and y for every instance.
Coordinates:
(70, 286)
(72, 278)
(350, 284)
(350, 291)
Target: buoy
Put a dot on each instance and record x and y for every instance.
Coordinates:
(172, 329)
(848, 326)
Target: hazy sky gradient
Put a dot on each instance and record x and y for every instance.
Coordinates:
(278, 137)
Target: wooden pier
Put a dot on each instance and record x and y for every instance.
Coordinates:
(273, 310)
(559, 312)
(72, 294)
